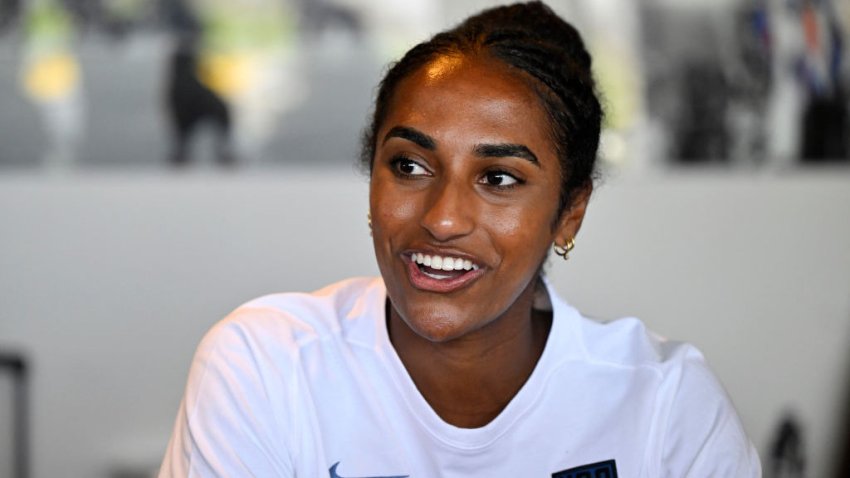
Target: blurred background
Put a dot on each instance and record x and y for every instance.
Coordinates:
(162, 161)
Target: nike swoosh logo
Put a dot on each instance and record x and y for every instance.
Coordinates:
(332, 471)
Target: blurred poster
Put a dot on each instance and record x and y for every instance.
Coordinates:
(757, 83)
(246, 84)
(232, 68)
(176, 84)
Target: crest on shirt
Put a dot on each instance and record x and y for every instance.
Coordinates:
(603, 469)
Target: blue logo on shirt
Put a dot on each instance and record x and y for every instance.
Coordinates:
(332, 471)
(603, 469)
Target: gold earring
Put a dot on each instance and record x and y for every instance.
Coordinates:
(564, 251)
(369, 221)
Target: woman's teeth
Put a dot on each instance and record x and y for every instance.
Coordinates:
(443, 263)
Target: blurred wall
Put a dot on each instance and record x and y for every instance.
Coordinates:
(108, 282)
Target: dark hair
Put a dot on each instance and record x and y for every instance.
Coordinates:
(533, 39)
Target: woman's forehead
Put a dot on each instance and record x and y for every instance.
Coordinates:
(445, 70)
(464, 96)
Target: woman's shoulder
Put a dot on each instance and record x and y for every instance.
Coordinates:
(688, 397)
(628, 341)
(340, 298)
(293, 319)
(624, 342)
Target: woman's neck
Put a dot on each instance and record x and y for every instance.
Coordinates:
(468, 381)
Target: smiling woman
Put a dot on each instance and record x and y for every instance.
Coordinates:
(465, 171)
(461, 360)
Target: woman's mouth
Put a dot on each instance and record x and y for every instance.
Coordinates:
(441, 273)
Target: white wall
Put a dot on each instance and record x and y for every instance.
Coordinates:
(108, 283)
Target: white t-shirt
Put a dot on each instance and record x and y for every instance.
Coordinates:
(309, 385)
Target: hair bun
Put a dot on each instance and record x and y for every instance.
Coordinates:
(533, 20)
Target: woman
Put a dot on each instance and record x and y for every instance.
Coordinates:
(461, 360)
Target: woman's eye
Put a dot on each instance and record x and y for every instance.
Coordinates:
(408, 167)
(499, 179)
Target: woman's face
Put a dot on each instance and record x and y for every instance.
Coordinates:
(463, 197)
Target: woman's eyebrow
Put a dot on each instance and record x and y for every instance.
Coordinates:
(412, 135)
(506, 150)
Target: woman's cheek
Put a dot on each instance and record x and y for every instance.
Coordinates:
(393, 206)
(517, 229)
(509, 222)
(401, 209)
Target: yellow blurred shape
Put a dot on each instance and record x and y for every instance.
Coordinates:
(227, 74)
(619, 81)
(51, 77)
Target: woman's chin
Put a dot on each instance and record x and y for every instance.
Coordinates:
(436, 326)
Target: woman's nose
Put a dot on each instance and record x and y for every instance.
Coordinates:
(449, 212)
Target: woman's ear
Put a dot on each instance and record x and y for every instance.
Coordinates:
(573, 215)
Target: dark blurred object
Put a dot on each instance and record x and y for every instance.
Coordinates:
(843, 467)
(17, 366)
(9, 12)
(825, 129)
(842, 445)
(86, 13)
(690, 57)
(755, 44)
(750, 82)
(819, 70)
(319, 16)
(191, 104)
(700, 130)
(786, 452)
(117, 19)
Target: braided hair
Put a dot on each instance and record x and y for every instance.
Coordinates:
(550, 53)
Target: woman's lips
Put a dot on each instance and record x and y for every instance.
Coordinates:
(428, 278)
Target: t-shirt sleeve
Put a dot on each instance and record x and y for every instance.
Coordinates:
(226, 426)
(703, 435)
